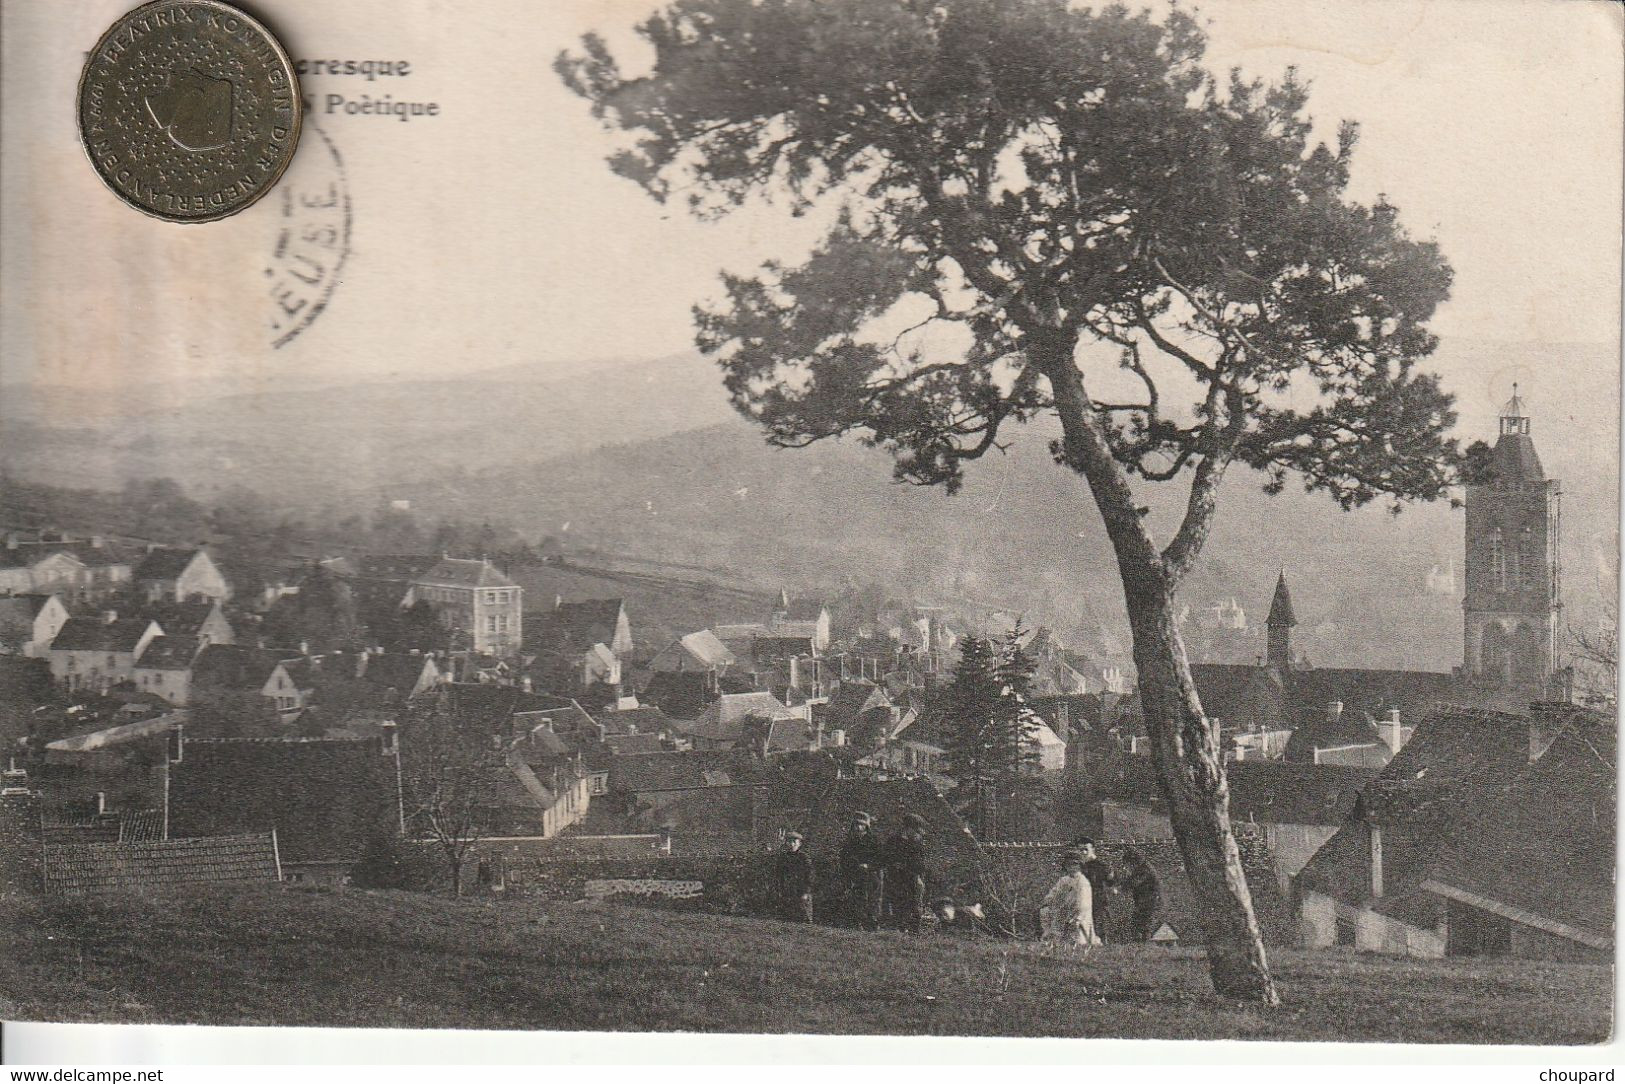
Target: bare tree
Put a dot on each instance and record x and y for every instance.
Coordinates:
(449, 779)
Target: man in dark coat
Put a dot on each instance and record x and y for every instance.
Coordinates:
(1100, 883)
(1143, 885)
(862, 872)
(905, 873)
(793, 879)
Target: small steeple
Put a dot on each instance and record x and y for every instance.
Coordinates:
(1281, 606)
(1278, 631)
(1513, 419)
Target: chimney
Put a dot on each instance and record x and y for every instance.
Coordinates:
(525, 683)
(1334, 712)
(12, 540)
(390, 734)
(304, 647)
(1391, 731)
(101, 802)
(109, 616)
(1376, 859)
(96, 541)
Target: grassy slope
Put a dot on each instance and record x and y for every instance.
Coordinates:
(364, 959)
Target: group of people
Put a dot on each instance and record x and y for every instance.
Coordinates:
(883, 883)
(883, 880)
(1075, 910)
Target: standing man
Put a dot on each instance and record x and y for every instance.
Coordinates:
(1143, 884)
(905, 873)
(862, 872)
(793, 876)
(1100, 882)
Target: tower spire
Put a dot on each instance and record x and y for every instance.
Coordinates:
(1278, 626)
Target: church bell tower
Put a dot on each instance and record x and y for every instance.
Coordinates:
(1511, 604)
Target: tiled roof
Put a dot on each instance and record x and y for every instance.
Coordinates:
(1418, 800)
(804, 609)
(180, 618)
(583, 624)
(169, 653)
(95, 634)
(393, 670)
(1543, 843)
(1242, 695)
(679, 695)
(851, 701)
(630, 744)
(641, 720)
(22, 608)
(85, 869)
(164, 563)
(645, 772)
(724, 718)
(1330, 730)
(463, 572)
(1269, 792)
(397, 566)
(707, 649)
(237, 666)
(323, 797)
(87, 553)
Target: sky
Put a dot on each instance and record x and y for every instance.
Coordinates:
(493, 234)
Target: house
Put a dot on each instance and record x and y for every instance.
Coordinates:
(1530, 873)
(1339, 737)
(681, 694)
(1296, 807)
(327, 800)
(801, 617)
(862, 712)
(118, 768)
(722, 723)
(397, 677)
(29, 622)
(698, 651)
(475, 597)
(92, 654)
(165, 668)
(180, 575)
(80, 572)
(274, 675)
(201, 619)
(580, 625)
(1361, 887)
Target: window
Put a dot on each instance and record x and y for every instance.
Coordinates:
(493, 597)
(1498, 570)
(490, 623)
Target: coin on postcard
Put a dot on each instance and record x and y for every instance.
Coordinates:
(189, 110)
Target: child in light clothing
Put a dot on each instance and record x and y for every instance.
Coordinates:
(1067, 913)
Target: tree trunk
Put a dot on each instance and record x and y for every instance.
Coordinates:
(1190, 765)
(1184, 747)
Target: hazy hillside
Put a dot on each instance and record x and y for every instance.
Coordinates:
(645, 459)
(317, 443)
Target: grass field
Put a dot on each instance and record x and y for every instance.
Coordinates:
(271, 957)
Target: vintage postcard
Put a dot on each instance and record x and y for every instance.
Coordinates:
(812, 517)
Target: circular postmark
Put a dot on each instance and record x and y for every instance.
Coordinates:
(189, 110)
(311, 239)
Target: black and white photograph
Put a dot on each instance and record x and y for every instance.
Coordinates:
(1020, 519)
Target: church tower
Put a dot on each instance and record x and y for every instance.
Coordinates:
(1511, 602)
(1278, 628)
